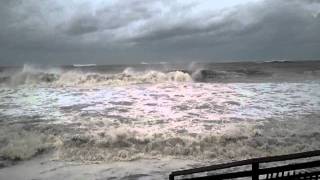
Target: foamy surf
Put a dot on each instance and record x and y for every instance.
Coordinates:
(142, 115)
(186, 120)
(84, 65)
(125, 78)
(38, 76)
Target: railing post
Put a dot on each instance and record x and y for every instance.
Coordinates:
(171, 177)
(255, 171)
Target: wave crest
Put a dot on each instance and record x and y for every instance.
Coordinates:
(125, 78)
(30, 75)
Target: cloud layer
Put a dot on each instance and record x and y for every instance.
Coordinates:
(66, 32)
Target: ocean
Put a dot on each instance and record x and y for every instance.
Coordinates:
(145, 120)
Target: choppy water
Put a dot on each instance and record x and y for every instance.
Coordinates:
(232, 112)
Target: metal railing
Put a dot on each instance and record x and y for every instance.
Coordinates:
(288, 171)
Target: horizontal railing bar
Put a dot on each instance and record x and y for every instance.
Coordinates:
(248, 162)
(211, 168)
(225, 176)
(249, 173)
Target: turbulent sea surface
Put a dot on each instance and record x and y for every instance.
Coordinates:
(163, 114)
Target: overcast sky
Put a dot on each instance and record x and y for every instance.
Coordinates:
(132, 31)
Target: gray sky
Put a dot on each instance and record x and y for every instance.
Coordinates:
(132, 31)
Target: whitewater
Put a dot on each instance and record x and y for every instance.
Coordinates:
(143, 121)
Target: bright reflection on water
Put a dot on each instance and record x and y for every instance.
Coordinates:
(170, 124)
(190, 107)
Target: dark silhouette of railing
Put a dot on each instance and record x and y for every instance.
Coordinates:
(301, 170)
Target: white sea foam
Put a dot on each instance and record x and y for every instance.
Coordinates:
(32, 75)
(193, 120)
(126, 78)
(137, 115)
(84, 65)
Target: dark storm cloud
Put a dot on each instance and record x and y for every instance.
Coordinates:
(107, 18)
(269, 21)
(82, 25)
(56, 31)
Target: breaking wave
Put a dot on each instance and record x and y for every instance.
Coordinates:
(83, 65)
(232, 142)
(32, 75)
(121, 144)
(125, 78)
(90, 74)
